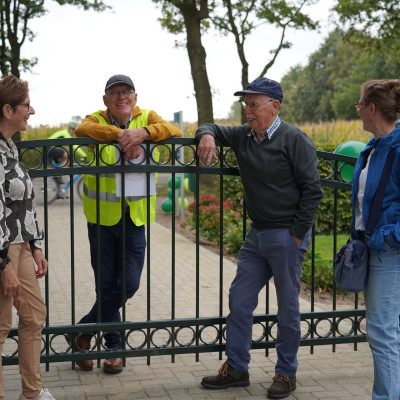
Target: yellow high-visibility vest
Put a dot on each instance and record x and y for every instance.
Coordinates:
(110, 203)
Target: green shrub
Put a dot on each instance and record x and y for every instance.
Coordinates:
(324, 217)
(233, 231)
(209, 217)
(209, 222)
(323, 272)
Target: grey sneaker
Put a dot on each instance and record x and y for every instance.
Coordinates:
(282, 386)
(43, 395)
(227, 377)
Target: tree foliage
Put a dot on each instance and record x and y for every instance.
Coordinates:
(15, 16)
(329, 85)
(373, 25)
(237, 17)
(242, 17)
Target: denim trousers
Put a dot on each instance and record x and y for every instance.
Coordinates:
(382, 303)
(108, 272)
(266, 253)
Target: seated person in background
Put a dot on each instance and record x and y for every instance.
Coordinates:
(58, 155)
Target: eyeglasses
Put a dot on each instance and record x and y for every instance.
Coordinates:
(254, 106)
(116, 93)
(358, 106)
(26, 105)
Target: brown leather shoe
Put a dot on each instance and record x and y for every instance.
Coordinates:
(83, 345)
(112, 366)
(85, 365)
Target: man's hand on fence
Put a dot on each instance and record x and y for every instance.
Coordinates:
(10, 282)
(207, 149)
(132, 153)
(130, 141)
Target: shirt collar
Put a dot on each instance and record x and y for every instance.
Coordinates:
(269, 132)
(114, 122)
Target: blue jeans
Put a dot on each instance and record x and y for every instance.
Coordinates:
(110, 291)
(266, 253)
(382, 302)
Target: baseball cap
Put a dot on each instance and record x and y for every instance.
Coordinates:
(118, 79)
(263, 86)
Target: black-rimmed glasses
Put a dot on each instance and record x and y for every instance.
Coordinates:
(26, 105)
(117, 93)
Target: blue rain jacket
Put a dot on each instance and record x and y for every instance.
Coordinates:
(388, 227)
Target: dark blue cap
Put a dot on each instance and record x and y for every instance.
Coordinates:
(263, 86)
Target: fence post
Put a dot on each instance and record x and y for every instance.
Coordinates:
(178, 120)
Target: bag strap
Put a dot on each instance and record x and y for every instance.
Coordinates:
(380, 192)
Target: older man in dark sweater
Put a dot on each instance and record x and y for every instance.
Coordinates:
(278, 168)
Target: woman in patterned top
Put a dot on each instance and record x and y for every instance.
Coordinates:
(20, 244)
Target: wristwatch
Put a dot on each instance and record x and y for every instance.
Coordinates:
(4, 262)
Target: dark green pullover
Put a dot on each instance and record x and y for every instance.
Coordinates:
(279, 176)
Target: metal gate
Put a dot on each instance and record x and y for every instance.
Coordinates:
(182, 304)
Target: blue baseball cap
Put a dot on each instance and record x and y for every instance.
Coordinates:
(263, 86)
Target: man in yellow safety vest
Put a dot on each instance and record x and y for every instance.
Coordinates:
(124, 121)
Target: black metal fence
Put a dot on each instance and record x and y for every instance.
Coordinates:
(148, 336)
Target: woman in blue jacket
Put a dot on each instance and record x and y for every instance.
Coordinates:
(378, 108)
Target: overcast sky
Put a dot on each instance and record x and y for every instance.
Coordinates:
(78, 51)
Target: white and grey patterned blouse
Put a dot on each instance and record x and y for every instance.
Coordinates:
(18, 222)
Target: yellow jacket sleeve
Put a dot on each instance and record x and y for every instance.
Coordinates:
(159, 129)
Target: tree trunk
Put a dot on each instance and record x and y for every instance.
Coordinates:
(245, 77)
(197, 59)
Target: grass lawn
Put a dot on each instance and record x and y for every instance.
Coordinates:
(324, 245)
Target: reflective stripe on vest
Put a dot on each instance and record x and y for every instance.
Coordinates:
(110, 204)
